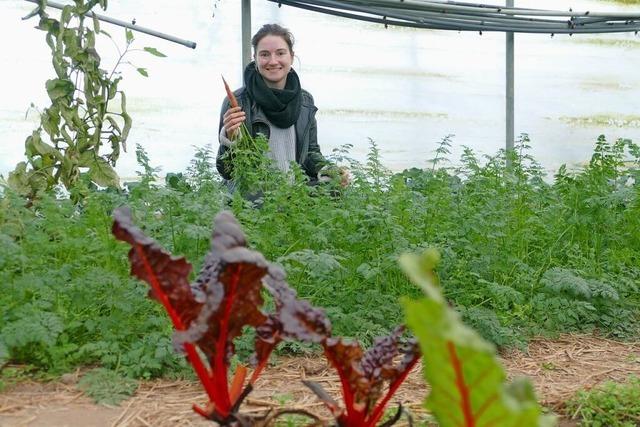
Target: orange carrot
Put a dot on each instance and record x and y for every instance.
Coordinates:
(232, 98)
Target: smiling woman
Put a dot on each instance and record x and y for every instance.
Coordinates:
(273, 103)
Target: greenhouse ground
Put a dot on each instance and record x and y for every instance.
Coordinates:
(558, 368)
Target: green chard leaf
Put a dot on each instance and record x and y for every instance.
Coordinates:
(467, 380)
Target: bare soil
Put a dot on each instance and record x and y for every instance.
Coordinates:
(558, 368)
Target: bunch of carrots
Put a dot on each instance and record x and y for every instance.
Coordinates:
(247, 153)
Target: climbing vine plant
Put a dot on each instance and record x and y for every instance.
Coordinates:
(84, 130)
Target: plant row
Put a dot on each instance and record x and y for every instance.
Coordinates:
(522, 254)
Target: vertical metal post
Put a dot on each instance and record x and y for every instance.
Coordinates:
(510, 116)
(246, 34)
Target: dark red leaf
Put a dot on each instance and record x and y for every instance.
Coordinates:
(364, 374)
(345, 358)
(231, 280)
(167, 275)
(381, 353)
(396, 376)
(224, 299)
(294, 319)
(297, 319)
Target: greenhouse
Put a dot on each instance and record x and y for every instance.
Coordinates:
(320, 212)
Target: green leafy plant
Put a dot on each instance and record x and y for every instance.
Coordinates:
(609, 404)
(81, 133)
(502, 233)
(467, 382)
(107, 387)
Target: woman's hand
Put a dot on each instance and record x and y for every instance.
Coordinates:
(337, 174)
(232, 120)
(345, 176)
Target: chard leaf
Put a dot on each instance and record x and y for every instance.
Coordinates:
(468, 382)
(167, 275)
(363, 376)
(231, 282)
(294, 319)
(224, 299)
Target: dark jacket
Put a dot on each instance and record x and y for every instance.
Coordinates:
(308, 153)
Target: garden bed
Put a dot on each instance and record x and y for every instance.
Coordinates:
(558, 369)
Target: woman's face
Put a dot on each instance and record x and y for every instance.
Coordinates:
(274, 60)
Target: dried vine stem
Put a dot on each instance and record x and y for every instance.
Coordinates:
(271, 417)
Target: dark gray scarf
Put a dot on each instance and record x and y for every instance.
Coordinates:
(281, 106)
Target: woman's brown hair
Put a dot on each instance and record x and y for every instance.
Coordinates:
(273, 30)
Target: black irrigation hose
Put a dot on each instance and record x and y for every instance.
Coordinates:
(432, 15)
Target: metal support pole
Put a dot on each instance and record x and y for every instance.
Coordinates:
(246, 33)
(128, 25)
(510, 116)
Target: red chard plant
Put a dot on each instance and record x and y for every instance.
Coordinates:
(210, 313)
(363, 375)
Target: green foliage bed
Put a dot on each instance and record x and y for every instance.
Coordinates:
(521, 254)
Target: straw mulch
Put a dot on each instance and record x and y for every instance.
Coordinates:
(558, 369)
(565, 365)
